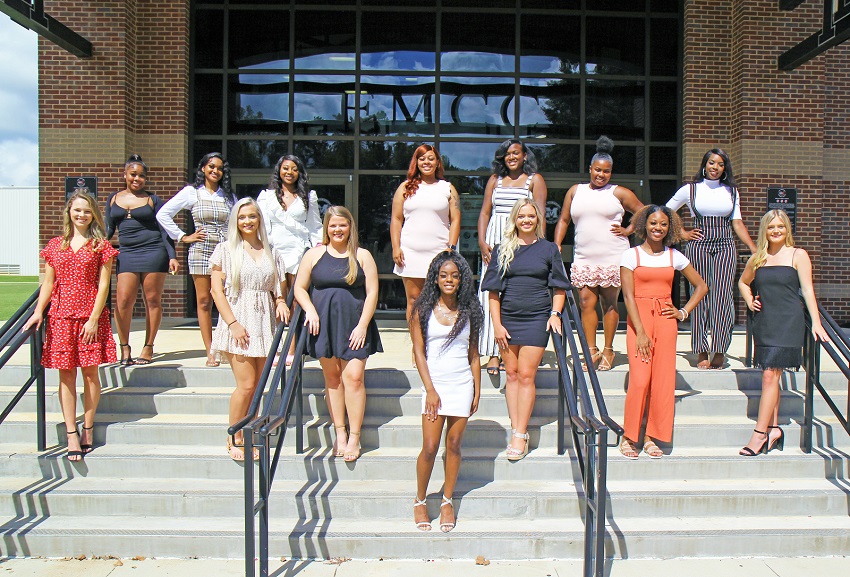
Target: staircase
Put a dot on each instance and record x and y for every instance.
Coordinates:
(163, 485)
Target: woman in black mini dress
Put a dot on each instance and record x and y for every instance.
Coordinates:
(771, 285)
(146, 254)
(522, 269)
(339, 314)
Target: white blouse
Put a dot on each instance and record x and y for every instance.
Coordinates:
(293, 229)
(713, 198)
(185, 199)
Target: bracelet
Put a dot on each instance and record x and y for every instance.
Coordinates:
(685, 314)
(229, 324)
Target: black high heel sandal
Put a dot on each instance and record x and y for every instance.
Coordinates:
(78, 454)
(128, 360)
(747, 452)
(143, 361)
(88, 447)
(779, 443)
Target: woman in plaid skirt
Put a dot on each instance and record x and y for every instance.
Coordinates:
(210, 201)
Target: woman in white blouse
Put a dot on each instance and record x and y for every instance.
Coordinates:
(210, 201)
(291, 213)
(715, 207)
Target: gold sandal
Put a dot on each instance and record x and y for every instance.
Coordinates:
(595, 356)
(604, 363)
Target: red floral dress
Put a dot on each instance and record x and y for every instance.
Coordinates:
(71, 303)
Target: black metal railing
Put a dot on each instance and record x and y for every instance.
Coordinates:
(838, 350)
(12, 338)
(280, 395)
(589, 432)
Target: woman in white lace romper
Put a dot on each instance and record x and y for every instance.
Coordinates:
(514, 177)
(248, 285)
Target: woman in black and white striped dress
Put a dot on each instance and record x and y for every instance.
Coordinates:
(514, 177)
(210, 201)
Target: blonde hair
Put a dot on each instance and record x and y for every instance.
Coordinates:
(353, 242)
(234, 240)
(97, 230)
(760, 256)
(510, 240)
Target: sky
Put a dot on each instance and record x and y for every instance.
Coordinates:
(18, 105)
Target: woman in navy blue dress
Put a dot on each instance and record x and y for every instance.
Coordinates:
(522, 269)
(146, 254)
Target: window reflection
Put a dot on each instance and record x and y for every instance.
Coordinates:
(398, 41)
(550, 45)
(324, 42)
(323, 105)
(615, 108)
(386, 155)
(397, 105)
(549, 108)
(627, 159)
(325, 154)
(209, 50)
(618, 48)
(207, 112)
(491, 53)
(255, 153)
(555, 157)
(468, 155)
(375, 208)
(258, 103)
(477, 106)
(258, 38)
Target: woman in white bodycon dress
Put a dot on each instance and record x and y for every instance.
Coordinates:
(445, 324)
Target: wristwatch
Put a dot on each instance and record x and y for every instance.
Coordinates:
(556, 313)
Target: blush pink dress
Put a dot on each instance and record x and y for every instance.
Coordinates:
(597, 250)
(425, 231)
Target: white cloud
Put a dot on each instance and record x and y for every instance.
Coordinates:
(19, 104)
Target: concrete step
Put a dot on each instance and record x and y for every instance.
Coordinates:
(659, 537)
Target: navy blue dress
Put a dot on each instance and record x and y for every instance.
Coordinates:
(524, 290)
(144, 246)
(779, 329)
(339, 306)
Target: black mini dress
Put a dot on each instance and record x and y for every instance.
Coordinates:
(339, 306)
(524, 290)
(144, 246)
(779, 328)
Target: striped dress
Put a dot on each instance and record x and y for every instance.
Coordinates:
(504, 198)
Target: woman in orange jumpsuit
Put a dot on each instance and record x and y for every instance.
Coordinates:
(646, 273)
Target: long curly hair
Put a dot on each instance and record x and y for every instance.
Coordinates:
(728, 176)
(529, 165)
(760, 256)
(414, 177)
(234, 241)
(97, 229)
(674, 233)
(510, 240)
(224, 183)
(468, 307)
(302, 186)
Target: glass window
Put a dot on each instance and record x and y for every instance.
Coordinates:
(255, 153)
(199, 149)
(617, 50)
(324, 40)
(663, 110)
(468, 155)
(550, 44)
(618, 5)
(662, 190)
(397, 105)
(477, 106)
(374, 205)
(616, 108)
(662, 160)
(549, 108)
(398, 40)
(208, 51)
(258, 104)
(565, 4)
(258, 39)
(324, 105)
(386, 155)
(663, 47)
(664, 6)
(325, 154)
(627, 159)
(556, 157)
(207, 103)
(493, 50)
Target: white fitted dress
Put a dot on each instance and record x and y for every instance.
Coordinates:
(449, 370)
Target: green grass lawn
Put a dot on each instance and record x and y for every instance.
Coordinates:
(14, 290)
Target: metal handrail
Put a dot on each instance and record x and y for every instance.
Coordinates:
(12, 338)
(284, 394)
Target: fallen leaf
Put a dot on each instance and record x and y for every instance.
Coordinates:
(118, 563)
(80, 558)
(480, 560)
(138, 558)
(283, 559)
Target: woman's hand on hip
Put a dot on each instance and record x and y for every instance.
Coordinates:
(693, 234)
(196, 236)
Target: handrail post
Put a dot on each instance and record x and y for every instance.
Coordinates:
(37, 370)
(250, 545)
(808, 401)
(601, 499)
(561, 409)
(299, 413)
(265, 491)
(589, 503)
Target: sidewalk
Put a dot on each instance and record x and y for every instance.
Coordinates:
(742, 567)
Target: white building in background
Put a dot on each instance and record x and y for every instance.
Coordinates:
(19, 230)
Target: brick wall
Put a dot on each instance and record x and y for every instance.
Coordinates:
(780, 128)
(131, 96)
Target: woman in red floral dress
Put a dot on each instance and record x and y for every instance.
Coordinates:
(77, 269)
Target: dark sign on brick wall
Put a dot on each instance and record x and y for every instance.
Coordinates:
(87, 184)
(784, 199)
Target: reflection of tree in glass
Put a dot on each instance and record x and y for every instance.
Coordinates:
(325, 154)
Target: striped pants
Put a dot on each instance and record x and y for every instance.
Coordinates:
(715, 262)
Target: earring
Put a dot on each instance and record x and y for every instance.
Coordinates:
(703, 172)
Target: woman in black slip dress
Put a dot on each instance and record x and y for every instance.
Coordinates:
(771, 284)
(146, 254)
(339, 315)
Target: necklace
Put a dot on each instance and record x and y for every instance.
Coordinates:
(452, 315)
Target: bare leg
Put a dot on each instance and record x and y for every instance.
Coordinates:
(126, 290)
(290, 281)
(610, 319)
(768, 407)
(454, 440)
(68, 402)
(335, 396)
(204, 302)
(246, 371)
(355, 403)
(528, 360)
(589, 297)
(509, 357)
(152, 283)
(412, 288)
(432, 431)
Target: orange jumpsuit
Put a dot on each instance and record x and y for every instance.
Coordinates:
(653, 382)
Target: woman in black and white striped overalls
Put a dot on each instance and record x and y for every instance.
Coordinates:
(713, 200)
